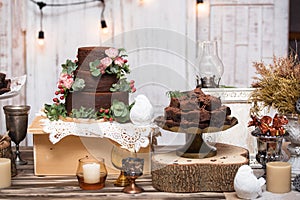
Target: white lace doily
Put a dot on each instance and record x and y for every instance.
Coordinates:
(128, 135)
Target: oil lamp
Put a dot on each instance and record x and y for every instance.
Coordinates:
(210, 66)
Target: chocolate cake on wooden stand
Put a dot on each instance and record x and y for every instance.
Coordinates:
(197, 166)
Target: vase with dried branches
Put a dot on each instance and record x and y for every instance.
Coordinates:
(277, 86)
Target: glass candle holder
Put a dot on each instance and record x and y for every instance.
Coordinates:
(91, 173)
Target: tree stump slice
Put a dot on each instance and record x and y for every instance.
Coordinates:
(171, 173)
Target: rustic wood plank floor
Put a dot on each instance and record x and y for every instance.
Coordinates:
(28, 186)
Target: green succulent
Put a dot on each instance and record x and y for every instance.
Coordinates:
(78, 84)
(120, 111)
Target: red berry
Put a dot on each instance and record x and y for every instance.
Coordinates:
(125, 61)
(133, 90)
(55, 100)
(60, 86)
(106, 111)
(62, 91)
(56, 92)
(62, 97)
(111, 119)
(101, 110)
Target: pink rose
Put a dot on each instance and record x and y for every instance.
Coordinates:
(106, 61)
(119, 61)
(63, 77)
(112, 52)
(102, 68)
(66, 80)
(68, 83)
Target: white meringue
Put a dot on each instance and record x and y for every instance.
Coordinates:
(141, 112)
(246, 185)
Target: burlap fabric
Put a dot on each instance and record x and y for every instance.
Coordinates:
(6, 152)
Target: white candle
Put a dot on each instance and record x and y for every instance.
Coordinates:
(278, 177)
(91, 173)
(5, 172)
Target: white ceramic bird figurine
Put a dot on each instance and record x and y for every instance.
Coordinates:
(141, 112)
(246, 185)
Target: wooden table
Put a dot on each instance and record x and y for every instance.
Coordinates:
(28, 186)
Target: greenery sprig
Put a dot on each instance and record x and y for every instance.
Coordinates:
(174, 94)
(54, 111)
(85, 113)
(114, 63)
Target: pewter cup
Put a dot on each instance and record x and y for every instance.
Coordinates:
(16, 124)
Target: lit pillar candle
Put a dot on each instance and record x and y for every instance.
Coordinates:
(91, 173)
(5, 172)
(278, 177)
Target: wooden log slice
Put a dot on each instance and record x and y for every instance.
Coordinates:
(171, 173)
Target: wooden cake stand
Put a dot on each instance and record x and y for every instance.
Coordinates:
(196, 146)
(198, 166)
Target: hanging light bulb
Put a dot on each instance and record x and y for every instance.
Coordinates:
(41, 35)
(102, 20)
(200, 5)
(41, 38)
(104, 26)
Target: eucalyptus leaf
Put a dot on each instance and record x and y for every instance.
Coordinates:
(86, 113)
(96, 72)
(95, 63)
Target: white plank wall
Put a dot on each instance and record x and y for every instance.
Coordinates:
(12, 49)
(160, 36)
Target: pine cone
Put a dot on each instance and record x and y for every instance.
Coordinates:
(296, 182)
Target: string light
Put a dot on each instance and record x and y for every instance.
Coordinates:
(41, 38)
(41, 5)
(104, 26)
(102, 20)
(200, 5)
(41, 35)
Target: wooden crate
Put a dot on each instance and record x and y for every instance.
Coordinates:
(62, 158)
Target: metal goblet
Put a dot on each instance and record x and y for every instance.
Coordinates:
(16, 124)
(133, 168)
